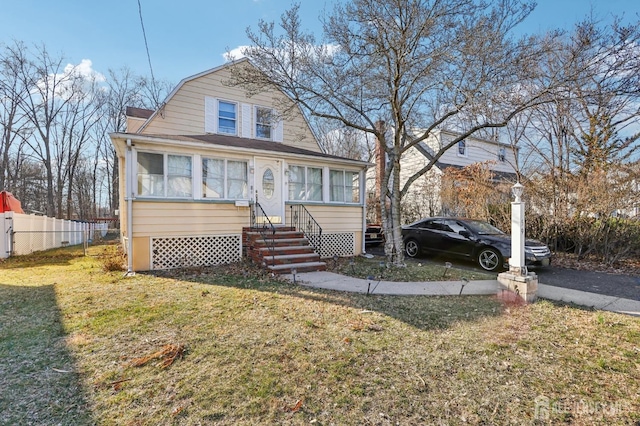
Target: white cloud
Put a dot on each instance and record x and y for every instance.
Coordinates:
(85, 69)
(72, 81)
(234, 54)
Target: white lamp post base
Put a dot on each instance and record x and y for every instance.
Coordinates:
(524, 287)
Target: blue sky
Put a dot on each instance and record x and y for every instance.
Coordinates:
(189, 36)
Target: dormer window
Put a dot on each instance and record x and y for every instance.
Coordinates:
(227, 118)
(264, 121)
(462, 148)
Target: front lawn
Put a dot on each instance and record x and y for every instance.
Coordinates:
(229, 345)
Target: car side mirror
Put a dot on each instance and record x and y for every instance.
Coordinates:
(465, 233)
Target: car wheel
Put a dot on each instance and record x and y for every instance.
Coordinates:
(412, 248)
(489, 259)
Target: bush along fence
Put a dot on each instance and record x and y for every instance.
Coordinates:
(25, 234)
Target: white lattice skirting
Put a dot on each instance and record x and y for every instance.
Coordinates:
(336, 244)
(180, 252)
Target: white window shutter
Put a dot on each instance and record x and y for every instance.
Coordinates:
(210, 115)
(246, 121)
(278, 131)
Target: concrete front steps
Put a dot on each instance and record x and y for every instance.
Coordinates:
(282, 251)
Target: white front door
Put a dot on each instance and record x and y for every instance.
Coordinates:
(268, 176)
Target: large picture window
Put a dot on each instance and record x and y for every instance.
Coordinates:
(305, 183)
(164, 175)
(224, 179)
(344, 186)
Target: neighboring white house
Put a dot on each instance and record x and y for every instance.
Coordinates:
(423, 198)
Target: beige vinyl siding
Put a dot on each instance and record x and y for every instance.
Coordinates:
(184, 112)
(166, 219)
(134, 124)
(336, 220)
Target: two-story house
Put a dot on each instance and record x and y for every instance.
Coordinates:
(423, 198)
(211, 165)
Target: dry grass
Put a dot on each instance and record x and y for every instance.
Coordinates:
(256, 350)
(413, 271)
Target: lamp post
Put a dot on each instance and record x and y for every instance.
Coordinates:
(518, 282)
(517, 260)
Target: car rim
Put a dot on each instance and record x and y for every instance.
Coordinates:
(489, 260)
(412, 248)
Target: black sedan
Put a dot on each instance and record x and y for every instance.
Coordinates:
(468, 239)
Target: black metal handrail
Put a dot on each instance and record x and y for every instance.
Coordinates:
(266, 226)
(302, 220)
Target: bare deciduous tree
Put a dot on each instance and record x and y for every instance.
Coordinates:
(416, 65)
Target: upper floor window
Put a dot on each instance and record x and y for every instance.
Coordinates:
(344, 186)
(502, 154)
(224, 179)
(164, 175)
(462, 148)
(305, 183)
(264, 121)
(227, 118)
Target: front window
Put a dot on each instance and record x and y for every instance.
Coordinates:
(213, 178)
(162, 175)
(344, 186)
(264, 120)
(179, 176)
(305, 183)
(227, 117)
(224, 179)
(237, 180)
(150, 174)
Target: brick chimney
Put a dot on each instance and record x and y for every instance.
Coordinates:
(381, 162)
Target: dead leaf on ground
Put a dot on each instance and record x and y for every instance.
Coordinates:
(178, 410)
(168, 354)
(296, 407)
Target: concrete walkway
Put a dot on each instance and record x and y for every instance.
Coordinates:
(333, 281)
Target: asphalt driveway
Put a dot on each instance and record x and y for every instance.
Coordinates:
(624, 286)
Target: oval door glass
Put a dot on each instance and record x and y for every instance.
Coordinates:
(268, 184)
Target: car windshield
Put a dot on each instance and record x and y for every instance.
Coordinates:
(483, 228)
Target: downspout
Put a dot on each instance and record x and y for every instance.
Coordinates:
(129, 191)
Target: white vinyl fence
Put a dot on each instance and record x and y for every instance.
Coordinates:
(24, 234)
